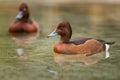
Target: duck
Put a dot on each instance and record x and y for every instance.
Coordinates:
(23, 23)
(68, 45)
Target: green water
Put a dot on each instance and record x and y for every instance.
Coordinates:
(31, 57)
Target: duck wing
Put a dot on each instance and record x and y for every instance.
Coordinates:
(78, 41)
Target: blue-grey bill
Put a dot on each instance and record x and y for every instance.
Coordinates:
(20, 15)
(54, 33)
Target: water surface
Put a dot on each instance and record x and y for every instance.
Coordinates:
(30, 57)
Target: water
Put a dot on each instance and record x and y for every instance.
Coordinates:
(30, 57)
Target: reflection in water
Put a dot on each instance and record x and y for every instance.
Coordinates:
(53, 73)
(23, 43)
(60, 58)
(20, 51)
(63, 73)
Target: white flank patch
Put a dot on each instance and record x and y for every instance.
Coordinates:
(107, 54)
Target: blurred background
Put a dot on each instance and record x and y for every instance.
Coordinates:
(31, 56)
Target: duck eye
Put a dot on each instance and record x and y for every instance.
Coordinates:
(61, 27)
(24, 9)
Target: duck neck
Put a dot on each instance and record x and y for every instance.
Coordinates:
(65, 38)
(25, 20)
(25, 17)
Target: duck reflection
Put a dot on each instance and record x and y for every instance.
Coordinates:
(23, 42)
(92, 59)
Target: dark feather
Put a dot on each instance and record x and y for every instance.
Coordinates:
(78, 41)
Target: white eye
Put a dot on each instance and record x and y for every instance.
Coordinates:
(24, 9)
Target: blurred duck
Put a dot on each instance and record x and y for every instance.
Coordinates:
(23, 22)
(66, 45)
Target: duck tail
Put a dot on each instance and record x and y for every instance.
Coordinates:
(110, 43)
(105, 42)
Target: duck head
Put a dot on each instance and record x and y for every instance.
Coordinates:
(23, 13)
(64, 30)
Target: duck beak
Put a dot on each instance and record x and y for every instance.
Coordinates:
(20, 15)
(54, 33)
